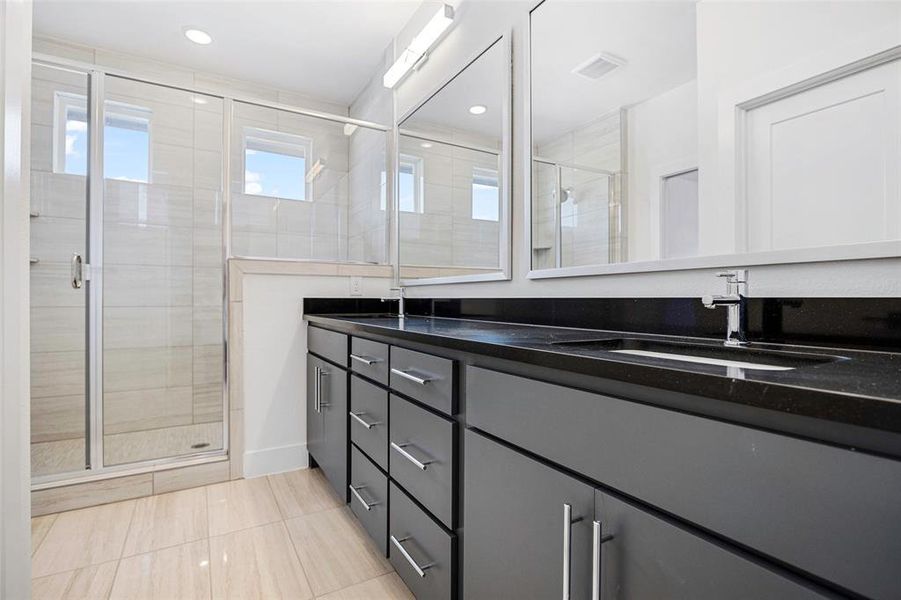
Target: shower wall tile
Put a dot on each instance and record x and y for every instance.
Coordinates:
(50, 286)
(147, 327)
(207, 325)
(295, 217)
(41, 148)
(208, 364)
(54, 240)
(172, 165)
(141, 410)
(57, 329)
(207, 169)
(208, 247)
(208, 286)
(208, 403)
(130, 202)
(57, 418)
(208, 130)
(130, 244)
(58, 195)
(146, 368)
(257, 214)
(207, 208)
(294, 246)
(127, 285)
(57, 373)
(254, 244)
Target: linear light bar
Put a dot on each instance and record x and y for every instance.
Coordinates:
(419, 46)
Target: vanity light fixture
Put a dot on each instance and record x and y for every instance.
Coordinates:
(315, 170)
(198, 36)
(478, 109)
(419, 46)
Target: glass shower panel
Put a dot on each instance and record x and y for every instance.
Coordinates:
(58, 232)
(306, 187)
(585, 198)
(163, 350)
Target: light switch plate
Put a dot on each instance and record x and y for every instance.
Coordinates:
(356, 286)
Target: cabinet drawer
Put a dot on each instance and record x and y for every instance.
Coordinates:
(649, 558)
(369, 497)
(327, 344)
(369, 419)
(370, 359)
(429, 379)
(422, 553)
(825, 510)
(422, 455)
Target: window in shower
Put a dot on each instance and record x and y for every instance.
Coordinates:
(409, 185)
(126, 133)
(485, 196)
(277, 165)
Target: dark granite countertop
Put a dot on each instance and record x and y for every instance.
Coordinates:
(856, 388)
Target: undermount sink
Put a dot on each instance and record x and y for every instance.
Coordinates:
(721, 356)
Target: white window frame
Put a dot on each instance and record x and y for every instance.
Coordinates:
(479, 174)
(114, 111)
(277, 142)
(417, 163)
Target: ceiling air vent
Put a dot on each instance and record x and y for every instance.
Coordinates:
(598, 65)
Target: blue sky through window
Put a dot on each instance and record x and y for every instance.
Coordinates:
(485, 196)
(126, 144)
(274, 174)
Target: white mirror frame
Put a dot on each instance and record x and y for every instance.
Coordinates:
(505, 266)
(733, 105)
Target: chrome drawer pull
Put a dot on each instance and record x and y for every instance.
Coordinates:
(359, 418)
(356, 492)
(366, 360)
(597, 538)
(413, 378)
(423, 465)
(319, 375)
(419, 570)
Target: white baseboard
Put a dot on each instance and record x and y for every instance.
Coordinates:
(275, 460)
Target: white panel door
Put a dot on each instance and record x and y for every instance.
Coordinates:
(823, 164)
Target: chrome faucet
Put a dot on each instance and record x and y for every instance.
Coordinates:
(734, 300)
(401, 296)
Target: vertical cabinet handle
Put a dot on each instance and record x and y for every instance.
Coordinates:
(77, 271)
(567, 548)
(420, 570)
(319, 403)
(316, 383)
(597, 540)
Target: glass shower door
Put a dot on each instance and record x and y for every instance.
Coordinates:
(58, 224)
(162, 281)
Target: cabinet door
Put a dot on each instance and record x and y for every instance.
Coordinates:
(514, 526)
(315, 433)
(333, 407)
(649, 558)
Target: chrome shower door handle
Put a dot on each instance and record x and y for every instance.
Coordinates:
(77, 271)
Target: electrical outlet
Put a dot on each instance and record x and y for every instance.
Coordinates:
(356, 286)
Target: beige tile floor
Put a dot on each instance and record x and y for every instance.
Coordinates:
(283, 536)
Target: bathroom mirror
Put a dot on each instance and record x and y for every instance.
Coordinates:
(453, 183)
(673, 135)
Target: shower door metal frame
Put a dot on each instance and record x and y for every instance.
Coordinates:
(95, 468)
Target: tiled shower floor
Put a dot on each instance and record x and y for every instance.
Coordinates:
(282, 536)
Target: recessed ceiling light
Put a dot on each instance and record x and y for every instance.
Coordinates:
(198, 36)
(425, 145)
(478, 109)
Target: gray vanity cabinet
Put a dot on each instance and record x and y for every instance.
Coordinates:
(327, 420)
(515, 532)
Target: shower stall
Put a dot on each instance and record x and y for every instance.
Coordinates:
(141, 192)
(127, 275)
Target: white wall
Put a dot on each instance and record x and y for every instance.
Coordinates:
(275, 346)
(477, 24)
(15, 465)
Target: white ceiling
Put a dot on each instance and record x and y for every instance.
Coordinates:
(657, 39)
(482, 82)
(325, 49)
